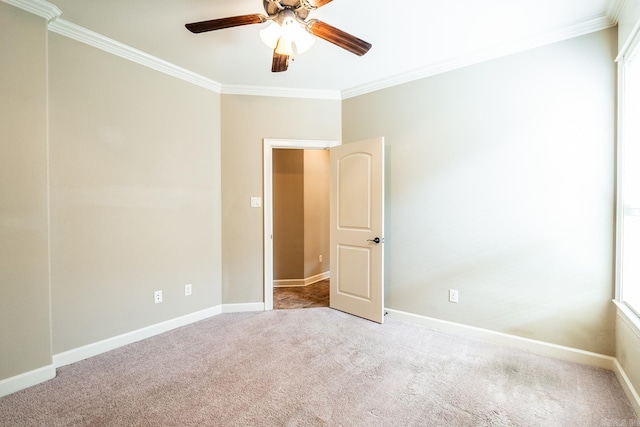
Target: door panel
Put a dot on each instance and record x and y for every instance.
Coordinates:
(354, 191)
(354, 281)
(357, 219)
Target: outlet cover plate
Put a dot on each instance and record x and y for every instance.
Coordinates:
(453, 295)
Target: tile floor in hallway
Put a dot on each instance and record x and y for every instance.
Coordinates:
(313, 295)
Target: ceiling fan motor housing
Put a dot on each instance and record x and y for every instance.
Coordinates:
(301, 8)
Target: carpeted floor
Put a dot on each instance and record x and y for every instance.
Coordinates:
(313, 295)
(319, 367)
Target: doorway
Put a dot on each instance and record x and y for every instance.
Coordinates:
(301, 249)
(269, 146)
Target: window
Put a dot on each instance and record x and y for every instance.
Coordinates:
(629, 185)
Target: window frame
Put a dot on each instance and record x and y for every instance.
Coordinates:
(629, 51)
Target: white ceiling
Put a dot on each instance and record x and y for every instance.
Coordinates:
(410, 39)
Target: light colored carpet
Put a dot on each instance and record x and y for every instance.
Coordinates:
(318, 366)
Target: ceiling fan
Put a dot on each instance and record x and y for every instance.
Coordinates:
(290, 32)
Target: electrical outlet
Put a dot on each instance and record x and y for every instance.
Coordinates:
(187, 290)
(157, 297)
(453, 295)
(319, 258)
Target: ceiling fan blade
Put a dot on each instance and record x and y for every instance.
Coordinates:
(318, 3)
(280, 62)
(219, 24)
(338, 37)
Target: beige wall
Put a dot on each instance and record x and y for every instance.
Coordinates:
(25, 338)
(135, 195)
(288, 214)
(316, 212)
(246, 121)
(500, 184)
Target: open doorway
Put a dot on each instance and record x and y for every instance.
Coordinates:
(299, 265)
(300, 194)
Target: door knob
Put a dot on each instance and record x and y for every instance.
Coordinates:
(376, 240)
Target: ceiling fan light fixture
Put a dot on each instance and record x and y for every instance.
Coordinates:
(294, 33)
(270, 35)
(287, 38)
(284, 47)
(302, 39)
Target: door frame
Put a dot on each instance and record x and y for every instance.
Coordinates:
(268, 145)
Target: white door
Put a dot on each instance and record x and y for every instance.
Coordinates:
(357, 229)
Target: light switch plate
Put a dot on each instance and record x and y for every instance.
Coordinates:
(256, 202)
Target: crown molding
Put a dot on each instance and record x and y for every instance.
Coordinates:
(629, 48)
(588, 26)
(65, 28)
(614, 9)
(83, 35)
(281, 92)
(42, 8)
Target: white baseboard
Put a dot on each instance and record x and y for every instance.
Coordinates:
(27, 379)
(90, 350)
(242, 308)
(537, 347)
(290, 283)
(627, 386)
(94, 349)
